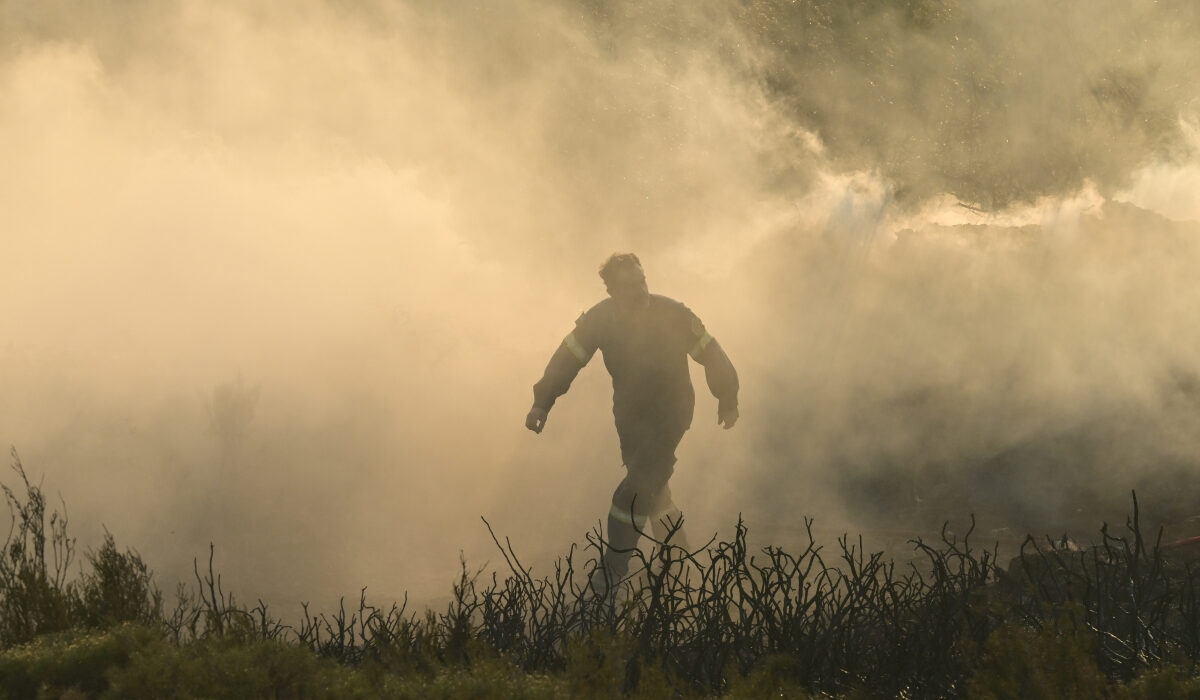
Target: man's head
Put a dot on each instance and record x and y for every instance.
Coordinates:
(626, 282)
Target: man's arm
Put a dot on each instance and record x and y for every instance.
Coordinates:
(570, 357)
(721, 376)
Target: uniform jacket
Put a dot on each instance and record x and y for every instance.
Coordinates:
(646, 353)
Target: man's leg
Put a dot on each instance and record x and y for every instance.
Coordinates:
(641, 498)
(668, 527)
(623, 532)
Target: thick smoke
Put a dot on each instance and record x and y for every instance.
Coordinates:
(280, 277)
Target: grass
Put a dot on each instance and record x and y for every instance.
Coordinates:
(1120, 619)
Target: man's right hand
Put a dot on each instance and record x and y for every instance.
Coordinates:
(536, 420)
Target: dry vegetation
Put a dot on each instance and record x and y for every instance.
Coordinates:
(1118, 619)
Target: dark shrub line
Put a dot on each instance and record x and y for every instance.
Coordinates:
(704, 617)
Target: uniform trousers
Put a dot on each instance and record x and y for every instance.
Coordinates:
(643, 496)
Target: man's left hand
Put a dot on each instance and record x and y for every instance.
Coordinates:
(727, 417)
(536, 420)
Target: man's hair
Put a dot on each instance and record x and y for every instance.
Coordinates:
(617, 262)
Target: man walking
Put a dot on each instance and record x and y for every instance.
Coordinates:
(645, 339)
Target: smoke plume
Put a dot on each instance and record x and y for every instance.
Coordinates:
(280, 276)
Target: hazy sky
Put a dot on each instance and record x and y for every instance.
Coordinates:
(281, 276)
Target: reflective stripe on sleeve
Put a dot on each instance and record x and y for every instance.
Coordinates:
(700, 345)
(638, 521)
(576, 349)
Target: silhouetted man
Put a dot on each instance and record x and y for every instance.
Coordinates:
(645, 339)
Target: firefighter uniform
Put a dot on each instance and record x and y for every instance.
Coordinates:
(646, 353)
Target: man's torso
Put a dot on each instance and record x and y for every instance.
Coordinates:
(646, 352)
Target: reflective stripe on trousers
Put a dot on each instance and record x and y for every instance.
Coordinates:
(623, 515)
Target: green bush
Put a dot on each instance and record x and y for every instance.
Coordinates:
(1057, 662)
(78, 660)
(131, 662)
(482, 681)
(773, 677)
(220, 668)
(118, 589)
(1166, 683)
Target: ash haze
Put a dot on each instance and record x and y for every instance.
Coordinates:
(280, 276)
